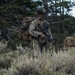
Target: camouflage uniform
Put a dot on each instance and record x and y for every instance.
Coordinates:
(33, 30)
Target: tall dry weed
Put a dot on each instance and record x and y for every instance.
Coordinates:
(44, 64)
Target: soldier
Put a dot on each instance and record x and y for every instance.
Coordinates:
(40, 31)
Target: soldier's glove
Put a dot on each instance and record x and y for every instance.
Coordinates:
(42, 39)
(41, 35)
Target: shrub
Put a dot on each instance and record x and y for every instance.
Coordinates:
(58, 64)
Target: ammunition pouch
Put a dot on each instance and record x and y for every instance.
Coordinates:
(25, 36)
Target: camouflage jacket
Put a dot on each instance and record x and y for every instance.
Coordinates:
(34, 30)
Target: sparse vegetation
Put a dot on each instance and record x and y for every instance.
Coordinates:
(61, 63)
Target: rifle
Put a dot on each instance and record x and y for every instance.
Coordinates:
(44, 29)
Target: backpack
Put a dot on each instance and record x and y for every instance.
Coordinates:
(24, 29)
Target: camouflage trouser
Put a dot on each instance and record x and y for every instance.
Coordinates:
(37, 48)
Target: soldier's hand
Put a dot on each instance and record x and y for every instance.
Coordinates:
(42, 38)
(42, 35)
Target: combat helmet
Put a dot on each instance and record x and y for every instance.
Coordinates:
(41, 11)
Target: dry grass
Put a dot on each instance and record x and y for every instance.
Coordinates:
(3, 45)
(61, 63)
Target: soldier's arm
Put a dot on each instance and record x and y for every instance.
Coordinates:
(32, 30)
